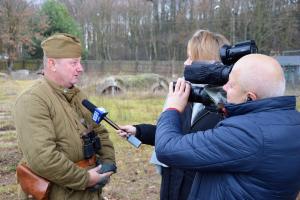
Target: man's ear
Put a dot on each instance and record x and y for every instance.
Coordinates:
(251, 96)
(51, 64)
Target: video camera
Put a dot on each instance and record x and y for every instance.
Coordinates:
(216, 73)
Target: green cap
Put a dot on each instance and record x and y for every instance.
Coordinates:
(62, 45)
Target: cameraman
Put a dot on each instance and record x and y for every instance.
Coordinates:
(254, 152)
(176, 183)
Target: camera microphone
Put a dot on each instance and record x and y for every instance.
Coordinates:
(207, 73)
(99, 114)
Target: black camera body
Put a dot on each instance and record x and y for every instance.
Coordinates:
(216, 73)
(230, 54)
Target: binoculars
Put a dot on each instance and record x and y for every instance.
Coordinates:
(91, 144)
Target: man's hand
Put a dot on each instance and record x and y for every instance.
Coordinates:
(95, 177)
(179, 97)
(126, 131)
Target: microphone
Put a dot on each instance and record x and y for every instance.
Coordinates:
(99, 114)
(207, 73)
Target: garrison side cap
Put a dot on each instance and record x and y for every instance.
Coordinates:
(62, 45)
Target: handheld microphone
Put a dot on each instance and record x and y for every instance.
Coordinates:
(99, 114)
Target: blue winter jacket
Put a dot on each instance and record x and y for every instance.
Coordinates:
(252, 154)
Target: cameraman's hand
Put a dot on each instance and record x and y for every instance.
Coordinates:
(179, 97)
(95, 177)
(126, 131)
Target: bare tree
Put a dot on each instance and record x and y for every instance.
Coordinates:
(159, 29)
(14, 32)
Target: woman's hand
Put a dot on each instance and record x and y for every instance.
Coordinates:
(126, 131)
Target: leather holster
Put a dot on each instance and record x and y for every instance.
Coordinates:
(32, 184)
(37, 186)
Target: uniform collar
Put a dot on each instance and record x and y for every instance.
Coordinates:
(68, 93)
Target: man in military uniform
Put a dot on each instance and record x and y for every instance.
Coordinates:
(51, 124)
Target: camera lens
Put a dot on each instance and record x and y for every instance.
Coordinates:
(197, 94)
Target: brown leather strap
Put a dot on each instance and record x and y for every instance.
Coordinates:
(87, 163)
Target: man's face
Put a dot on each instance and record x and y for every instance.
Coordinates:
(68, 71)
(235, 93)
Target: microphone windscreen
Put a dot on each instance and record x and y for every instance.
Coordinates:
(91, 107)
(206, 73)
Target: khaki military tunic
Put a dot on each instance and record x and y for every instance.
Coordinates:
(49, 121)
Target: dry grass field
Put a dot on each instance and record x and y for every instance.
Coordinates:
(136, 178)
